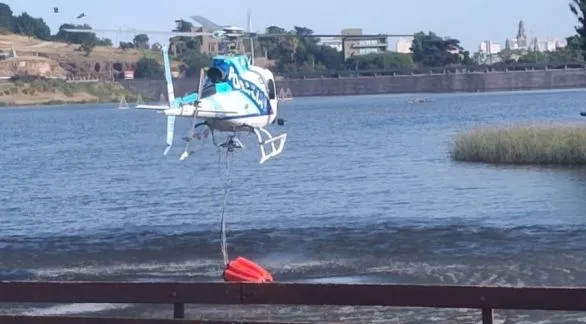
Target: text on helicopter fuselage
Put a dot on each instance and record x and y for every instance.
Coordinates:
(253, 91)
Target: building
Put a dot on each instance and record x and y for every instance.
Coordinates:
(490, 47)
(404, 45)
(356, 46)
(523, 43)
(362, 46)
(549, 45)
(520, 42)
(561, 43)
(488, 52)
(333, 42)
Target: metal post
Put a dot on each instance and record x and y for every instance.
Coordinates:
(179, 310)
(487, 317)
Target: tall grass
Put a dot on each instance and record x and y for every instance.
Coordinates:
(539, 144)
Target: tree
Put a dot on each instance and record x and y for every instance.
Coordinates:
(87, 48)
(156, 47)
(148, 67)
(32, 27)
(75, 38)
(330, 58)
(578, 42)
(104, 42)
(6, 18)
(126, 45)
(193, 62)
(430, 50)
(561, 55)
(180, 44)
(380, 61)
(141, 41)
(272, 46)
(573, 51)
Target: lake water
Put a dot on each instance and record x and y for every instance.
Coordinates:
(363, 192)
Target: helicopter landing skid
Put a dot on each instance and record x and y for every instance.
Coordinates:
(277, 143)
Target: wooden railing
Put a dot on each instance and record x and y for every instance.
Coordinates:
(179, 294)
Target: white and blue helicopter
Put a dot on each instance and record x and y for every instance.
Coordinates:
(234, 95)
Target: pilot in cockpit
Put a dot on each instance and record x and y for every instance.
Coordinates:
(215, 74)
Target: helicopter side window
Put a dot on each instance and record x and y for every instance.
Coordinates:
(272, 90)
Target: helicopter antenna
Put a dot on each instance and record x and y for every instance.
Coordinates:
(249, 13)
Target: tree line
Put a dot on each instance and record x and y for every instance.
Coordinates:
(295, 53)
(299, 53)
(27, 25)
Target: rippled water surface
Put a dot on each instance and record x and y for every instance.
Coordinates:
(363, 192)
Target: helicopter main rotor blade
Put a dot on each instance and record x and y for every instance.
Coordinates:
(135, 31)
(334, 35)
(206, 23)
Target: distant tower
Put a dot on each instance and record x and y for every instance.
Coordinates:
(521, 37)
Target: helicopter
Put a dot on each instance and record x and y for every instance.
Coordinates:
(233, 95)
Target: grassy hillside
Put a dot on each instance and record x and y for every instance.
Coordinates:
(24, 45)
(70, 53)
(41, 91)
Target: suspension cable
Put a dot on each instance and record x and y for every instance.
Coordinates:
(227, 181)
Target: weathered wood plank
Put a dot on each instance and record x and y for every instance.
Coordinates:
(110, 320)
(569, 299)
(120, 292)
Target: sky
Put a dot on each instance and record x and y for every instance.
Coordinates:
(470, 21)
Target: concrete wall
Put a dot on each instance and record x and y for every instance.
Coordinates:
(461, 82)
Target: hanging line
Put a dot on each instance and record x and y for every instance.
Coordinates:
(227, 182)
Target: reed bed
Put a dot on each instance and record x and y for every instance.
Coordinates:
(536, 144)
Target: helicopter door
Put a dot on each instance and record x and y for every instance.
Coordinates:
(272, 93)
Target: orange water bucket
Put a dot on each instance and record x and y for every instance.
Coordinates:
(242, 269)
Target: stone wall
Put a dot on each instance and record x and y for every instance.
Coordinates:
(31, 66)
(459, 82)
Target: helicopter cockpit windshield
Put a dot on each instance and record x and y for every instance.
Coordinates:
(214, 75)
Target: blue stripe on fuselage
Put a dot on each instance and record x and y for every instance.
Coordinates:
(254, 93)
